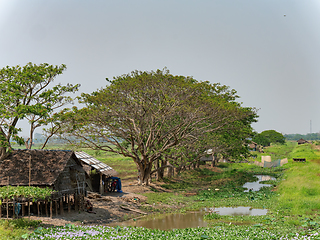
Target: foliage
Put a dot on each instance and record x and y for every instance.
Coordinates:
(261, 140)
(269, 136)
(144, 115)
(220, 232)
(26, 94)
(10, 192)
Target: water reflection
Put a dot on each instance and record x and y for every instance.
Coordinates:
(168, 222)
(239, 211)
(255, 186)
(189, 220)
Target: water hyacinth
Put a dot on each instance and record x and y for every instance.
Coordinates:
(104, 232)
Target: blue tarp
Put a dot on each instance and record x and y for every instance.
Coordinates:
(118, 187)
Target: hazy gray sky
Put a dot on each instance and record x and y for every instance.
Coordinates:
(268, 50)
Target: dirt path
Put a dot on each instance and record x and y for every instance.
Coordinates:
(109, 208)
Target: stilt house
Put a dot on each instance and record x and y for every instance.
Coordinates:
(59, 170)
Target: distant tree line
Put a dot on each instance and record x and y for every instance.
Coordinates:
(296, 137)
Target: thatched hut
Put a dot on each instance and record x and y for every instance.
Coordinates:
(59, 170)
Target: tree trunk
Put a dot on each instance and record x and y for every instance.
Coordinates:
(160, 171)
(144, 172)
(157, 166)
(214, 160)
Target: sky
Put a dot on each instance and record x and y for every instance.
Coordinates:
(267, 50)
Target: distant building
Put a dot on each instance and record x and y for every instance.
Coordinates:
(253, 146)
(302, 141)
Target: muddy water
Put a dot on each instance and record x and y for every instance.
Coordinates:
(191, 219)
(172, 221)
(255, 186)
(195, 219)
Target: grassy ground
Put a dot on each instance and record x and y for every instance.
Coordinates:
(14, 229)
(123, 165)
(292, 201)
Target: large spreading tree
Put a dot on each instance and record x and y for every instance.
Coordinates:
(146, 115)
(267, 137)
(27, 93)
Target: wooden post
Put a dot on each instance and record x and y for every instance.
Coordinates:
(61, 206)
(29, 208)
(30, 170)
(13, 206)
(51, 209)
(23, 209)
(46, 205)
(101, 185)
(7, 208)
(38, 208)
(1, 208)
(76, 202)
(56, 206)
(69, 204)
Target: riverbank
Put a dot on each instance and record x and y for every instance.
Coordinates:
(291, 201)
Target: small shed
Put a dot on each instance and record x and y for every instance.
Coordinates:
(302, 141)
(59, 170)
(97, 170)
(253, 146)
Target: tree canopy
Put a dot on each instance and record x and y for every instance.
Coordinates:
(148, 115)
(267, 137)
(26, 93)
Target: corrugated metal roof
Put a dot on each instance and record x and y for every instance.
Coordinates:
(95, 163)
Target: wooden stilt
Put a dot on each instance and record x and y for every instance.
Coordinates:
(69, 203)
(56, 206)
(61, 206)
(7, 208)
(76, 202)
(29, 208)
(23, 209)
(50, 209)
(13, 206)
(101, 185)
(38, 208)
(46, 205)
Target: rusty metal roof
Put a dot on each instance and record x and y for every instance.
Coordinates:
(95, 163)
